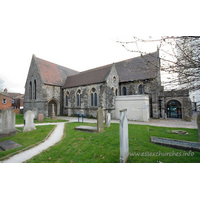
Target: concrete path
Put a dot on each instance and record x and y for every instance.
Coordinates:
(177, 123)
(54, 138)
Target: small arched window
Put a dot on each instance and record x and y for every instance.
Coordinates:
(35, 89)
(140, 89)
(67, 98)
(30, 91)
(124, 90)
(93, 96)
(78, 98)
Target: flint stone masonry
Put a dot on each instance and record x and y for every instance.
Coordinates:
(7, 122)
(108, 120)
(124, 143)
(40, 117)
(29, 121)
(100, 120)
(198, 124)
(179, 144)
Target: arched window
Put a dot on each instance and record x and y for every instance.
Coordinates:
(174, 109)
(78, 98)
(124, 90)
(140, 88)
(30, 91)
(93, 96)
(35, 89)
(67, 98)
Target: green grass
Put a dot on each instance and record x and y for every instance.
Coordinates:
(27, 138)
(20, 120)
(83, 147)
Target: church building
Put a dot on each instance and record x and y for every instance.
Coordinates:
(134, 84)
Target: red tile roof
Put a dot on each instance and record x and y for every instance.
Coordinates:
(53, 74)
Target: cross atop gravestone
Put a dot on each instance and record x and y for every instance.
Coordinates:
(29, 121)
(124, 143)
(100, 120)
(198, 124)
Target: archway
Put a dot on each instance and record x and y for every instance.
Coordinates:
(50, 107)
(174, 109)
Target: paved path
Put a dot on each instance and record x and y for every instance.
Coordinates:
(178, 123)
(54, 138)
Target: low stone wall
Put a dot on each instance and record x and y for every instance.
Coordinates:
(7, 122)
(137, 107)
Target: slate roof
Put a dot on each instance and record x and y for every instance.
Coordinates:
(133, 69)
(53, 74)
(14, 95)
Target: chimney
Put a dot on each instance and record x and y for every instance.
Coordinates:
(5, 91)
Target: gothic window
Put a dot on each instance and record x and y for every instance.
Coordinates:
(93, 96)
(78, 98)
(30, 91)
(35, 88)
(124, 90)
(140, 89)
(67, 98)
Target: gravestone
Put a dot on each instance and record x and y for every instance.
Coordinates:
(108, 120)
(53, 113)
(198, 123)
(100, 120)
(9, 144)
(124, 143)
(40, 117)
(29, 121)
(35, 111)
(7, 122)
(106, 112)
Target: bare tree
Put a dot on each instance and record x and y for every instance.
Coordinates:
(180, 58)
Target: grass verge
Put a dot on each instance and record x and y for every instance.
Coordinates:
(20, 120)
(83, 147)
(27, 138)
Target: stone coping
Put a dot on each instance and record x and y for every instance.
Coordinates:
(180, 144)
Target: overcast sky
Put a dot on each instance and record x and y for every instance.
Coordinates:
(77, 34)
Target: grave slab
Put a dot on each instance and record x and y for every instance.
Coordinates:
(9, 144)
(86, 129)
(179, 144)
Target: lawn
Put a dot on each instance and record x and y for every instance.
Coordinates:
(27, 138)
(20, 120)
(83, 147)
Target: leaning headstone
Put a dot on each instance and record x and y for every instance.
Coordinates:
(7, 122)
(29, 121)
(40, 117)
(108, 120)
(198, 123)
(100, 121)
(124, 143)
(53, 112)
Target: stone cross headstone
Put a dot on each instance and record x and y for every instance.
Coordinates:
(108, 120)
(53, 112)
(40, 117)
(29, 121)
(100, 120)
(198, 124)
(7, 122)
(124, 143)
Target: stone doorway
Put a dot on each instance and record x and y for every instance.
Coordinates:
(174, 109)
(50, 107)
